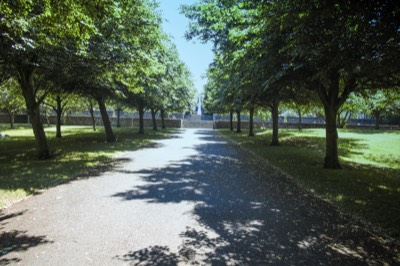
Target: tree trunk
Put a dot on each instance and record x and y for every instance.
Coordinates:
(339, 122)
(377, 114)
(331, 101)
(239, 123)
(59, 113)
(231, 120)
(275, 123)
(106, 120)
(162, 119)
(346, 119)
(40, 136)
(331, 153)
(33, 108)
(251, 122)
(91, 111)
(153, 118)
(141, 120)
(46, 116)
(118, 117)
(11, 114)
(300, 123)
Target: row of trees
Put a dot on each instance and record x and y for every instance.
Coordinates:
(104, 51)
(304, 52)
(378, 104)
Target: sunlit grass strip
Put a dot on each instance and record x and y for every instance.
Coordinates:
(369, 183)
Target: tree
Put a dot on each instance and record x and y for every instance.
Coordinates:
(245, 68)
(11, 99)
(115, 56)
(132, 85)
(352, 105)
(100, 89)
(330, 47)
(32, 32)
(90, 105)
(217, 97)
(58, 103)
(335, 47)
(302, 101)
(377, 102)
(171, 88)
(178, 84)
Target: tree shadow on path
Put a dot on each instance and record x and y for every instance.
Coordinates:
(16, 241)
(249, 214)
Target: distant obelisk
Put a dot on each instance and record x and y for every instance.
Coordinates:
(199, 105)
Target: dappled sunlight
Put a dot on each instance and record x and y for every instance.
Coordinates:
(231, 220)
(194, 190)
(308, 242)
(376, 148)
(9, 195)
(339, 197)
(383, 187)
(372, 160)
(344, 250)
(276, 210)
(360, 202)
(368, 183)
(248, 227)
(197, 200)
(380, 160)
(262, 133)
(77, 153)
(160, 255)
(351, 249)
(198, 245)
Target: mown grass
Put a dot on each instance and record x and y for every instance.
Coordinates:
(368, 186)
(78, 150)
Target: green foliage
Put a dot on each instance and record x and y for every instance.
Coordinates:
(38, 40)
(167, 85)
(379, 101)
(92, 49)
(274, 50)
(10, 97)
(30, 25)
(177, 83)
(120, 50)
(353, 105)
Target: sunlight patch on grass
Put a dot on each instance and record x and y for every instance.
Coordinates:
(11, 195)
(384, 187)
(339, 197)
(361, 202)
(380, 149)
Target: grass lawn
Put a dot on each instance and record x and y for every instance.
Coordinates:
(368, 186)
(80, 148)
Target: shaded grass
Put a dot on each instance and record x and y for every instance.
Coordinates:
(368, 186)
(78, 151)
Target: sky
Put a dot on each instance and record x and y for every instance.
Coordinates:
(196, 55)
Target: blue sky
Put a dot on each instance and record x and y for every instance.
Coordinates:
(196, 55)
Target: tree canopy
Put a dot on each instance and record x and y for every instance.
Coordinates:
(275, 49)
(96, 49)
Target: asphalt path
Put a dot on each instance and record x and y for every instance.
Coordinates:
(194, 199)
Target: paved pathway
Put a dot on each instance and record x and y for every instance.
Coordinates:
(191, 200)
